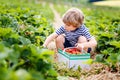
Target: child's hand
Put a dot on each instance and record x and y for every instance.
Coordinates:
(45, 46)
(79, 46)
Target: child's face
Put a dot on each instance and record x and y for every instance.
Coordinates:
(70, 27)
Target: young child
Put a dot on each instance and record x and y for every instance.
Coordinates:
(73, 33)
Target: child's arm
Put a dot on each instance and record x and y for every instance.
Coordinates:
(50, 38)
(90, 44)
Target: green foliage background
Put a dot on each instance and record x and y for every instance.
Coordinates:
(24, 25)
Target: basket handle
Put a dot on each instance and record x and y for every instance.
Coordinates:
(66, 48)
(82, 50)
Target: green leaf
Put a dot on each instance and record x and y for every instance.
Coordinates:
(118, 58)
(22, 74)
(112, 59)
(115, 43)
(5, 31)
(99, 58)
(16, 36)
(107, 34)
(24, 40)
(89, 61)
(52, 73)
(105, 52)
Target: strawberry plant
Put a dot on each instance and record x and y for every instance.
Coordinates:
(23, 29)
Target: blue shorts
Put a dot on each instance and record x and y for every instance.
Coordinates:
(67, 44)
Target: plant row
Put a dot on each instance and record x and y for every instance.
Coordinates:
(23, 29)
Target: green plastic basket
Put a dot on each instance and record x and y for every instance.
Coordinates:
(82, 56)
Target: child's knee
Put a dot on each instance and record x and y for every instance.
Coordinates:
(82, 39)
(60, 38)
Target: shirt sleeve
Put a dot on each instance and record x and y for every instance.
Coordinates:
(60, 30)
(86, 33)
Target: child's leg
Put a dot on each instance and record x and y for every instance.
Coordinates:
(59, 44)
(83, 39)
(60, 41)
(90, 50)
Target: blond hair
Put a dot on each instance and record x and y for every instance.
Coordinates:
(73, 16)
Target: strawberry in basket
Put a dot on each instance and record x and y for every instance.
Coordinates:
(72, 50)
